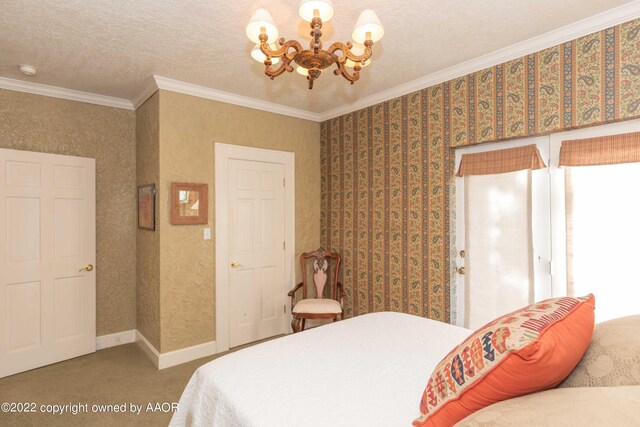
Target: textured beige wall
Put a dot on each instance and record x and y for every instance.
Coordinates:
(148, 242)
(50, 125)
(189, 126)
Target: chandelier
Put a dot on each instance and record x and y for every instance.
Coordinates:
(349, 58)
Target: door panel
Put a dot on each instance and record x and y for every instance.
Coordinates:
(67, 226)
(69, 300)
(68, 176)
(268, 218)
(23, 174)
(23, 236)
(244, 216)
(47, 219)
(246, 288)
(23, 308)
(256, 236)
(269, 309)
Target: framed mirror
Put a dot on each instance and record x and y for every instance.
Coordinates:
(189, 203)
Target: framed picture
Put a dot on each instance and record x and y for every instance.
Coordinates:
(147, 207)
(189, 203)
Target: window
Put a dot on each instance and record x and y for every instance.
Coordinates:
(601, 217)
(603, 231)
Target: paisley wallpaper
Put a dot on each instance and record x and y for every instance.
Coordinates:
(387, 169)
(50, 125)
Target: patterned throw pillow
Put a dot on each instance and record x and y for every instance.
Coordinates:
(529, 350)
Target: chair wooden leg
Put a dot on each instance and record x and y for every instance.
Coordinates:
(303, 322)
(295, 325)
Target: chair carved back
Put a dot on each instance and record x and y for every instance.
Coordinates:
(325, 267)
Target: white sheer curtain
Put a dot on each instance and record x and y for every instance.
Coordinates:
(603, 231)
(498, 245)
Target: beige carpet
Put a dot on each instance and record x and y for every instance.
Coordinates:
(120, 375)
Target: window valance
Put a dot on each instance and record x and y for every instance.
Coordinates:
(605, 150)
(501, 161)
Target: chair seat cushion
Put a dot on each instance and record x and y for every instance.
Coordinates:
(317, 306)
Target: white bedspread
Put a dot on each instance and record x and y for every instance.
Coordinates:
(366, 371)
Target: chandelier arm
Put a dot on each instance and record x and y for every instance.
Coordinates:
(273, 73)
(287, 51)
(284, 50)
(342, 70)
(346, 51)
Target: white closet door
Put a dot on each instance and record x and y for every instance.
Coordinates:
(47, 253)
(256, 248)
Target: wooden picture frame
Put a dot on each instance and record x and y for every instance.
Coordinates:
(147, 207)
(189, 203)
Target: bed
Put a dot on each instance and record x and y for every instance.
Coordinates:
(370, 370)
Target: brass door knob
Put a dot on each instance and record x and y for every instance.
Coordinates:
(87, 267)
(461, 270)
(234, 264)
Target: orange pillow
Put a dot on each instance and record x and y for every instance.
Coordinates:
(529, 350)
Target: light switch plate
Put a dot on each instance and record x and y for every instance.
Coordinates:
(207, 234)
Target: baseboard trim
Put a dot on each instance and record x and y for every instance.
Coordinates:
(185, 355)
(148, 348)
(177, 357)
(118, 338)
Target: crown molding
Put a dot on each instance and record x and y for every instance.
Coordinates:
(60, 92)
(231, 98)
(149, 87)
(619, 15)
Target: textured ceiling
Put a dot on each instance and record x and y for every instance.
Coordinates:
(111, 47)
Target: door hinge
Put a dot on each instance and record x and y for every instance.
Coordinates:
(284, 246)
(283, 182)
(284, 309)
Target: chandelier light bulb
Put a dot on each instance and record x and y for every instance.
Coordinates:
(324, 7)
(262, 19)
(302, 71)
(368, 22)
(257, 54)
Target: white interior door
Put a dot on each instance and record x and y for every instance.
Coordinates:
(47, 237)
(256, 250)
